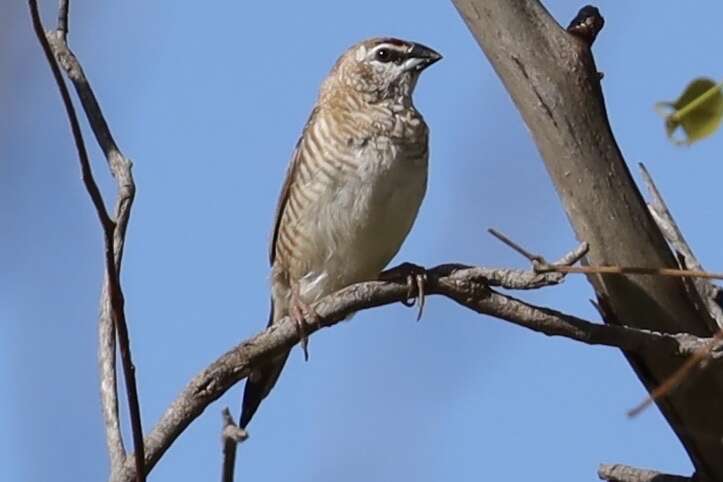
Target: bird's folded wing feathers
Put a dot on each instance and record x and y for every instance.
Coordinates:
(286, 188)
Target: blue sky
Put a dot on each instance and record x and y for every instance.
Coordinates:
(208, 100)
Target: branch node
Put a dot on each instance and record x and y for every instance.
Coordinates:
(587, 24)
(231, 436)
(57, 53)
(533, 258)
(231, 431)
(539, 263)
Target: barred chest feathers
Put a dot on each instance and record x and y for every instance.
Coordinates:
(364, 218)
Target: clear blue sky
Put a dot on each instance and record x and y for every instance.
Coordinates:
(208, 99)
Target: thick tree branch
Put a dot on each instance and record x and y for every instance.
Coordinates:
(625, 473)
(552, 78)
(112, 318)
(468, 286)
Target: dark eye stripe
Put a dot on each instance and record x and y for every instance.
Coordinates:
(394, 41)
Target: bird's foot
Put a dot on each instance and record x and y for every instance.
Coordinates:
(416, 278)
(300, 312)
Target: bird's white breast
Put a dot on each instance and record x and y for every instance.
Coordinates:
(363, 219)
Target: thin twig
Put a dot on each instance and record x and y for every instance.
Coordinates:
(707, 291)
(626, 270)
(109, 383)
(107, 334)
(542, 266)
(63, 14)
(700, 355)
(56, 51)
(116, 301)
(86, 171)
(231, 436)
(625, 473)
(533, 258)
(659, 207)
(697, 358)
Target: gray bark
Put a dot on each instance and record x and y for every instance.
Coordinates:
(552, 79)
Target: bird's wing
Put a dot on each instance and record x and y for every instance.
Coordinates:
(261, 380)
(286, 188)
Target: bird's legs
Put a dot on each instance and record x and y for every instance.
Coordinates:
(299, 312)
(415, 276)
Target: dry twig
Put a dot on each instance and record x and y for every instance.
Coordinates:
(708, 292)
(542, 266)
(705, 291)
(703, 353)
(625, 473)
(231, 436)
(112, 316)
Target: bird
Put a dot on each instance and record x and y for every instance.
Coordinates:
(353, 188)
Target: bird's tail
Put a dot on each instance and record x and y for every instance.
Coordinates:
(261, 381)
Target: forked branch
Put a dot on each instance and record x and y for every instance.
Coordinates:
(468, 286)
(112, 318)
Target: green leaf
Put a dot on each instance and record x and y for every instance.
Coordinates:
(698, 111)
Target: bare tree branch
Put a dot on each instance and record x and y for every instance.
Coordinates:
(502, 278)
(542, 266)
(625, 473)
(697, 359)
(63, 14)
(702, 293)
(112, 319)
(468, 286)
(109, 384)
(231, 436)
(553, 80)
(707, 291)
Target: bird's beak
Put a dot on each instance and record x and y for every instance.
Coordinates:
(421, 57)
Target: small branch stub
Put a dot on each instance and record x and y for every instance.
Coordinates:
(587, 24)
(625, 473)
(231, 436)
(231, 431)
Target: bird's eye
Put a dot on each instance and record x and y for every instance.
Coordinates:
(383, 55)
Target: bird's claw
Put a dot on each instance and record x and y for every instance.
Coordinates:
(300, 312)
(416, 278)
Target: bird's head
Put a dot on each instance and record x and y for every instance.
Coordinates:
(382, 68)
